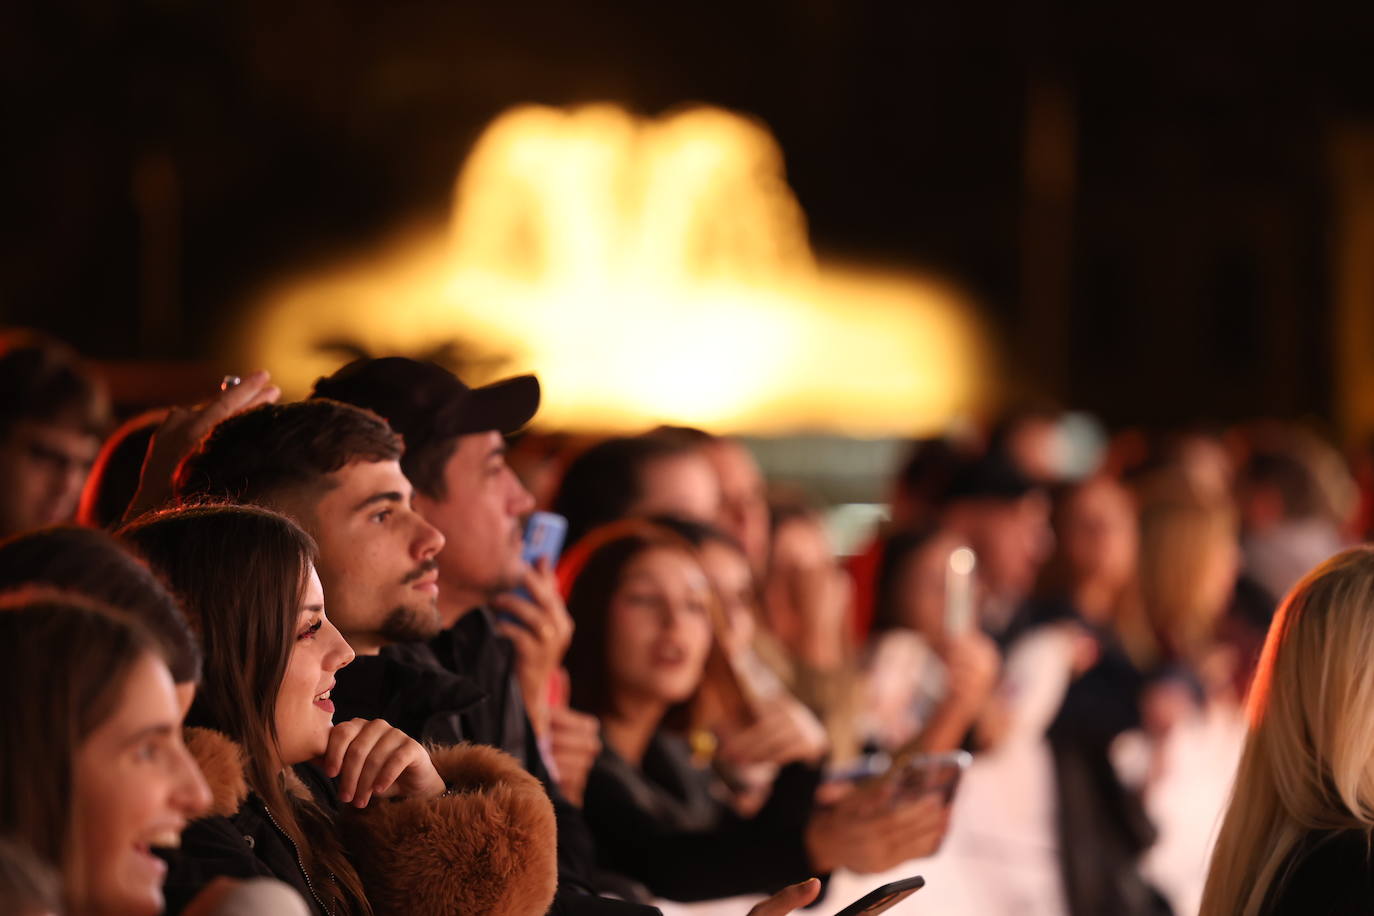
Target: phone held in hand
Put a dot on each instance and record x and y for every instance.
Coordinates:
(544, 534)
(884, 898)
(929, 774)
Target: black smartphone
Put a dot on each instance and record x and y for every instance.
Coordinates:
(884, 898)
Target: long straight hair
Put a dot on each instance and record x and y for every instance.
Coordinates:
(1306, 765)
(64, 661)
(241, 573)
(593, 571)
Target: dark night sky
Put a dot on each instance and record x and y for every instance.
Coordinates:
(1198, 252)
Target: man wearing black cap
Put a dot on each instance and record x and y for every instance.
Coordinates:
(455, 458)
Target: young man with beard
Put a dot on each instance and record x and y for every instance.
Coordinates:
(455, 457)
(336, 469)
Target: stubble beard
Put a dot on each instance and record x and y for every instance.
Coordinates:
(411, 624)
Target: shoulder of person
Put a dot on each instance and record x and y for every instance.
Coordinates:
(1331, 872)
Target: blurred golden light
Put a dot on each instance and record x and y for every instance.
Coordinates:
(648, 270)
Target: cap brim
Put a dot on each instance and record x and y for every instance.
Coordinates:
(505, 406)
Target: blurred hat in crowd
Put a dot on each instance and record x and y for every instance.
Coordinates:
(990, 477)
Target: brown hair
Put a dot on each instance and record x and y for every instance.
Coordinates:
(241, 573)
(277, 449)
(27, 884)
(96, 565)
(64, 661)
(600, 563)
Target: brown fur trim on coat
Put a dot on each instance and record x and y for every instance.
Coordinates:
(221, 760)
(487, 849)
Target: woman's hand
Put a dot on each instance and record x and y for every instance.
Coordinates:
(868, 831)
(574, 743)
(788, 899)
(784, 732)
(182, 431)
(369, 757)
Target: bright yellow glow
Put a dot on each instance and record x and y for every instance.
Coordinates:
(648, 271)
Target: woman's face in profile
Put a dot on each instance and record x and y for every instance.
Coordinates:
(135, 787)
(659, 627)
(733, 582)
(305, 713)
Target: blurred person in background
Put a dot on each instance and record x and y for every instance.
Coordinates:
(746, 751)
(807, 635)
(1088, 589)
(923, 681)
(1287, 527)
(1003, 516)
(53, 412)
(644, 638)
(913, 505)
(1029, 439)
(1295, 836)
(356, 816)
(637, 476)
(743, 491)
(94, 777)
(1191, 725)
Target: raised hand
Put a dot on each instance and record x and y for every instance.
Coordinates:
(541, 638)
(183, 429)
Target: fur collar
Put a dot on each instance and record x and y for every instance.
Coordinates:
(488, 847)
(222, 761)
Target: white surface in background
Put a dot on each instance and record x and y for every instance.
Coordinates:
(1000, 855)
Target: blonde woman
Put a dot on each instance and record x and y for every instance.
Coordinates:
(1296, 837)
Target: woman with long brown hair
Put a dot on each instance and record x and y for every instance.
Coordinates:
(644, 611)
(292, 791)
(93, 772)
(1297, 833)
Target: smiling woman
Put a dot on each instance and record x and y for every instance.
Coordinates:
(293, 792)
(93, 773)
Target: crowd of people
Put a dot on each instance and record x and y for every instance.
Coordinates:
(269, 657)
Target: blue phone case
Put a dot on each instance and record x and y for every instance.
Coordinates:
(544, 534)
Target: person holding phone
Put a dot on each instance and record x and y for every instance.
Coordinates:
(643, 607)
(930, 673)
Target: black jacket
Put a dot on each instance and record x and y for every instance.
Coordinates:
(1331, 873)
(661, 824)
(461, 686)
(245, 844)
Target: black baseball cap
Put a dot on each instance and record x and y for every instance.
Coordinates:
(988, 477)
(425, 402)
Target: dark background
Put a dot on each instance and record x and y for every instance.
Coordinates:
(1141, 197)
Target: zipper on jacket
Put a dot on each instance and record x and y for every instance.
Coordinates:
(300, 863)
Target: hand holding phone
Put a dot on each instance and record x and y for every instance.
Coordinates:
(884, 898)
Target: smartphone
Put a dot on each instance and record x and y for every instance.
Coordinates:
(927, 774)
(884, 898)
(544, 534)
